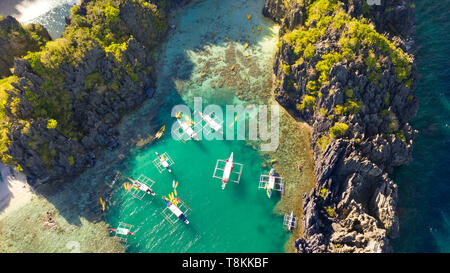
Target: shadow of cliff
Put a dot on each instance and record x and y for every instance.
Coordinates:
(79, 197)
(13, 188)
(5, 193)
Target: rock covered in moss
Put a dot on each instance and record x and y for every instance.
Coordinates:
(16, 40)
(63, 102)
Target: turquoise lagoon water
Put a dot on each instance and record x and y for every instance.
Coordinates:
(195, 61)
(240, 218)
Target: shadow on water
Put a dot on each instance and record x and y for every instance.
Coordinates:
(5, 192)
(424, 187)
(79, 197)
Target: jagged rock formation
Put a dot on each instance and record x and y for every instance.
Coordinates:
(355, 87)
(61, 104)
(16, 40)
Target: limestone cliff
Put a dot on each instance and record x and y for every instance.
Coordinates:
(355, 87)
(16, 40)
(61, 104)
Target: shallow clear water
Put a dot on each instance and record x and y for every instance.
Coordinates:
(424, 185)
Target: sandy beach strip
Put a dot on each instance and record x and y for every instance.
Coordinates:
(14, 191)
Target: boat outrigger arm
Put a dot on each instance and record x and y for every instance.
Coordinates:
(187, 130)
(230, 167)
(290, 221)
(163, 162)
(213, 123)
(172, 210)
(271, 182)
(141, 187)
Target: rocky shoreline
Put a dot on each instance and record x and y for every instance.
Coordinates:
(16, 40)
(63, 101)
(333, 69)
(354, 86)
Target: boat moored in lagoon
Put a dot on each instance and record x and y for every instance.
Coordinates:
(122, 232)
(215, 125)
(163, 162)
(290, 221)
(140, 187)
(271, 182)
(176, 211)
(228, 170)
(187, 129)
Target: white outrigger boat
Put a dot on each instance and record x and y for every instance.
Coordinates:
(176, 211)
(187, 129)
(141, 186)
(227, 171)
(163, 162)
(290, 221)
(271, 182)
(175, 208)
(215, 125)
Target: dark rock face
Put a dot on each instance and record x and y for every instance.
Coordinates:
(394, 16)
(353, 205)
(100, 89)
(95, 115)
(16, 40)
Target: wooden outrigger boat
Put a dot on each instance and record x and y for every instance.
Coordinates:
(141, 187)
(290, 221)
(227, 170)
(187, 129)
(172, 207)
(163, 162)
(271, 182)
(122, 232)
(215, 125)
